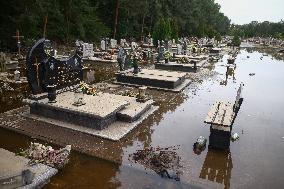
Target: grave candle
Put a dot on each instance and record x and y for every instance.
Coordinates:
(78, 98)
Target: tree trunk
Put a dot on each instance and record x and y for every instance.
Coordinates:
(116, 18)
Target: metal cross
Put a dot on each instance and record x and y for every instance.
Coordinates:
(37, 73)
(18, 36)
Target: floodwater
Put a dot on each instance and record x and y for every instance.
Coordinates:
(253, 161)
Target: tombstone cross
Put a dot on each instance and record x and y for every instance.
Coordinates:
(18, 36)
(36, 64)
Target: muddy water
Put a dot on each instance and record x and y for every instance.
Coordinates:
(254, 161)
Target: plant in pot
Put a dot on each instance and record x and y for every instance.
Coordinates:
(167, 56)
(134, 61)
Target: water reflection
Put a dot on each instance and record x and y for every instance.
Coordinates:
(217, 167)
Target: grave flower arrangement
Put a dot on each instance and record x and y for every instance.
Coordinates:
(167, 56)
(183, 60)
(135, 57)
(39, 153)
(87, 89)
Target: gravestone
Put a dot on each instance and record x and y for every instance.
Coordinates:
(179, 49)
(88, 50)
(90, 76)
(174, 42)
(103, 45)
(123, 42)
(151, 42)
(43, 69)
(113, 43)
(121, 58)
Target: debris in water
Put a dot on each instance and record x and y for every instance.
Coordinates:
(39, 153)
(164, 161)
(199, 145)
(251, 74)
(235, 137)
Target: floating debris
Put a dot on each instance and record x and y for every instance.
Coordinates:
(251, 74)
(235, 137)
(164, 161)
(199, 145)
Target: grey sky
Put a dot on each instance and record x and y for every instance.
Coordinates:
(245, 11)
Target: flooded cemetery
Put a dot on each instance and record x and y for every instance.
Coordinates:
(160, 110)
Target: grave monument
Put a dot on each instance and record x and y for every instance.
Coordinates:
(58, 99)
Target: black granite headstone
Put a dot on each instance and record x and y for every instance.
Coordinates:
(43, 69)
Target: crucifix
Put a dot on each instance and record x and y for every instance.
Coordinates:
(18, 36)
(37, 73)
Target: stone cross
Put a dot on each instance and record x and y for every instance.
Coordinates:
(18, 36)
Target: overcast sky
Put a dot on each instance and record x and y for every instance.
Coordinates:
(245, 11)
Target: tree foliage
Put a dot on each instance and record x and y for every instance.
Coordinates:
(259, 29)
(90, 20)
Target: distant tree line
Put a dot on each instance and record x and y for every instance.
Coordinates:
(259, 29)
(90, 20)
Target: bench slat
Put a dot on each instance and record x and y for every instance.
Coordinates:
(220, 113)
(212, 113)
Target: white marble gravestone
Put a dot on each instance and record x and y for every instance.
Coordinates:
(103, 45)
(113, 43)
(88, 50)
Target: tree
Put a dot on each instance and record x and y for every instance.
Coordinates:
(236, 41)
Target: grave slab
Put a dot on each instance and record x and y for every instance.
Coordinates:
(11, 167)
(113, 132)
(155, 79)
(98, 112)
(173, 66)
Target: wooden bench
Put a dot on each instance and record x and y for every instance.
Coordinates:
(223, 113)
